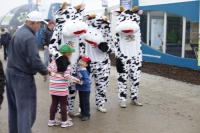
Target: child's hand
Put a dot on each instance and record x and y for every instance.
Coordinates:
(76, 80)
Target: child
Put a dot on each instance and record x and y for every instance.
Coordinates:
(60, 79)
(84, 87)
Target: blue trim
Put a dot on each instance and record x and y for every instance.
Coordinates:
(57, 6)
(189, 10)
(135, 3)
(152, 55)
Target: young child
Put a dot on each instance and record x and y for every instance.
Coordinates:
(60, 79)
(84, 87)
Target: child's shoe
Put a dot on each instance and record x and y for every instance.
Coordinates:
(53, 123)
(80, 116)
(85, 118)
(66, 124)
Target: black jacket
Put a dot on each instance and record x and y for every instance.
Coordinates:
(5, 38)
(2, 83)
(46, 36)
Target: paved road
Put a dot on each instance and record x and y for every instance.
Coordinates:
(168, 107)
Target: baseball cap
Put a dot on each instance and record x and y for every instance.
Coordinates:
(51, 22)
(85, 58)
(67, 48)
(35, 16)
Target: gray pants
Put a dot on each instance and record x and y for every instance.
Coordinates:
(21, 95)
(46, 57)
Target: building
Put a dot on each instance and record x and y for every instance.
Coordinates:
(170, 31)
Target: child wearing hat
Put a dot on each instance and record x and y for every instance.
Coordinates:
(60, 79)
(83, 87)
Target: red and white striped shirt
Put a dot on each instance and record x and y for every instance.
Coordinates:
(59, 82)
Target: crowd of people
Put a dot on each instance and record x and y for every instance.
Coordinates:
(71, 67)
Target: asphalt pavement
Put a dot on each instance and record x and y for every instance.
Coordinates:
(169, 106)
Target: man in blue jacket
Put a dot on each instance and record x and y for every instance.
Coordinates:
(23, 63)
(46, 37)
(5, 40)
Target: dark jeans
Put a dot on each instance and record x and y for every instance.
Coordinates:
(21, 95)
(5, 48)
(84, 98)
(53, 109)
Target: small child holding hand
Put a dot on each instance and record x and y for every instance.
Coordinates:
(60, 79)
(84, 87)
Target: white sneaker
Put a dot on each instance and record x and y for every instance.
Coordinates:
(102, 109)
(135, 102)
(66, 124)
(122, 104)
(53, 123)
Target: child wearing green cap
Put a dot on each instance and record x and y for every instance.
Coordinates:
(60, 79)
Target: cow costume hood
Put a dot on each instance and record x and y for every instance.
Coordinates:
(128, 32)
(69, 26)
(97, 40)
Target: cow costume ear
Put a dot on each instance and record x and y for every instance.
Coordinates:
(116, 13)
(82, 7)
(86, 17)
(140, 12)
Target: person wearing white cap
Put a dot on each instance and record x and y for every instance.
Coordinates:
(23, 63)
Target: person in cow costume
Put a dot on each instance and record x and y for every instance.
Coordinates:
(97, 44)
(128, 53)
(69, 26)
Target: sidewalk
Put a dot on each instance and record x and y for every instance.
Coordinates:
(168, 107)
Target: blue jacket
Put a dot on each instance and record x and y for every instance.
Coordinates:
(84, 76)
(46, 36)
(23, 52)
(5, 38)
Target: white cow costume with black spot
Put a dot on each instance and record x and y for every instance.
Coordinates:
(128, 53)
(97, 44)
(69, 26)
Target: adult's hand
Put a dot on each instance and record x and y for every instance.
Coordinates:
(49, 71)
(46, 47)
(45, 78)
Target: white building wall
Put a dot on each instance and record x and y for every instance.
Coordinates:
(158, 2)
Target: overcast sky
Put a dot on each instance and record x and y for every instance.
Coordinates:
(7, 5)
